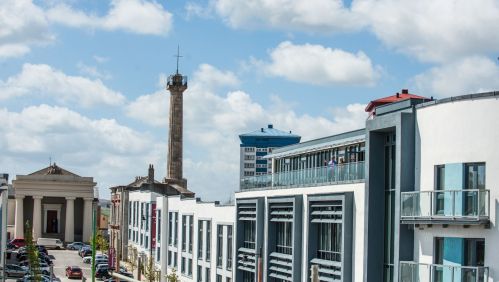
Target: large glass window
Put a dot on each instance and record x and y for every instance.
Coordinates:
(329, 241)
(249, 234)
(208, 240)
(158, 225)
(200, 239)
(184, 233)
(229, 247)
(191, 232)
(170, 228)
(475, 176)
(219, 245)
(284, 235)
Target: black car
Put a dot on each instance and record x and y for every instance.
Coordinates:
(12, 270)
(102, 273)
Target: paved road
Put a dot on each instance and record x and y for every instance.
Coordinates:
(62, 259)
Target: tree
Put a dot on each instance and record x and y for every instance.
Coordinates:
(149, 270)
(32, 252)
(101, 243)
(132, 258)
(173, 277)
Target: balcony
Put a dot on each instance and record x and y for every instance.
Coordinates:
(416, 272)
(467, 207)
(341, 173)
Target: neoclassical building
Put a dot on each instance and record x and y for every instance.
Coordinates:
(56, 202)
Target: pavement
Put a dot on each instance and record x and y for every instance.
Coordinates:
(61, 260)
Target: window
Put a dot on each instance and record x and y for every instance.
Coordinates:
(248, 276)
(130, 215)
(329, 241)
(249, 173)
(219, 245)
(191, 232)
(175, 260)
(208, 275)
(219, 278)
(200, 273)
(170, 258)
(283, 237)
(475, 176)
(228, 279)
(170, 228)
(249, 234)
(175, 242)
(229, 247)
(158, 225)
(200, 239)
(249, 157)
(158, 254)
(184, 233)
(182, 265)
(208, 240)
(189, 267)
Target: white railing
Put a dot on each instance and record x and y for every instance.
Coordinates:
(421, 272)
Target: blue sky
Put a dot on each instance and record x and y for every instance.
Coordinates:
(82, 82)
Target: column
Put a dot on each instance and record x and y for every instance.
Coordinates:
(87, 219)
(37, 217)
(19, 221)
(70, 218)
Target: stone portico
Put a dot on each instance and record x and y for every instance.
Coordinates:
(56, 202)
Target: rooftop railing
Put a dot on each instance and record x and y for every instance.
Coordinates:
(341, 173)
(415, 272)
(468, 206)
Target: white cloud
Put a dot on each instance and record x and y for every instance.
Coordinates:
(137, 16)
(103, 148)
(46, 81)
(434, 31)
(93, 71)
(467, 75)
(213, 119)
(22, 25)
(316, 64)
(304, 15)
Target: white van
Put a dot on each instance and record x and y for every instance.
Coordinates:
(50, 243)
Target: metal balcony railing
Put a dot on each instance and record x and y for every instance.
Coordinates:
(468, 206)
(341, 173)
(418, 272)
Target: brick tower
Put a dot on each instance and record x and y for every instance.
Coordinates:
(177, 84)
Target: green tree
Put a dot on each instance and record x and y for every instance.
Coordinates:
(173, 277)
(32, 252)
(149, 270)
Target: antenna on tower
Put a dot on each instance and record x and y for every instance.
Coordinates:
(178, 55)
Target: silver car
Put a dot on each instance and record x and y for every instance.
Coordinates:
(12, 270)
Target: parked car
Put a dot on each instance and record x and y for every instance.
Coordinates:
(43, 267)
(41, 256)
(74, 272)
(18, 242)
(12, 270)
(50, 243)
(88, 259)
(11, 246)
(85, 251)
(75, 246)
(102, 273)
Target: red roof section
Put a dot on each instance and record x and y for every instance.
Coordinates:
(394, 98)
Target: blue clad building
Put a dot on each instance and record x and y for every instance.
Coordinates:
(255, 145)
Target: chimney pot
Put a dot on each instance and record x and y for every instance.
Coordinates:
(405, 91)
(398, 95)
(271, 126)
(261, 129)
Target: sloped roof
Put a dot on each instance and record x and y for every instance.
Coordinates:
(54, 169)
(393, 98)
(269, 131)
(139, 180)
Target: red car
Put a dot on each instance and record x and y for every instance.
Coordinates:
(74, 272)
(18, 242)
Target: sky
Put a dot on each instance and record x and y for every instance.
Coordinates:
(82, 83)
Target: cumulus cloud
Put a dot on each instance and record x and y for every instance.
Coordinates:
(22, 25)
(433, 31)
(321, 65)
(215, 116)
(103, 148)
(468, 75)
(303, 15)
(46, 81)
(137, 16)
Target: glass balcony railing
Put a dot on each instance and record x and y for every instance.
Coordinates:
(341, 173)
(421, 272)
(467, 205)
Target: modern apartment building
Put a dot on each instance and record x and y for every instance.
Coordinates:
(198, 239)
(257, 144)
(308, 211)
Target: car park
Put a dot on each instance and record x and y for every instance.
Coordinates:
(74, 272)
(88, 259)
(84, 251)
(43, 268)
(30, 278)
(12, 270)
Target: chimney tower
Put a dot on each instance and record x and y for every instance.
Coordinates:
(177, 84)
